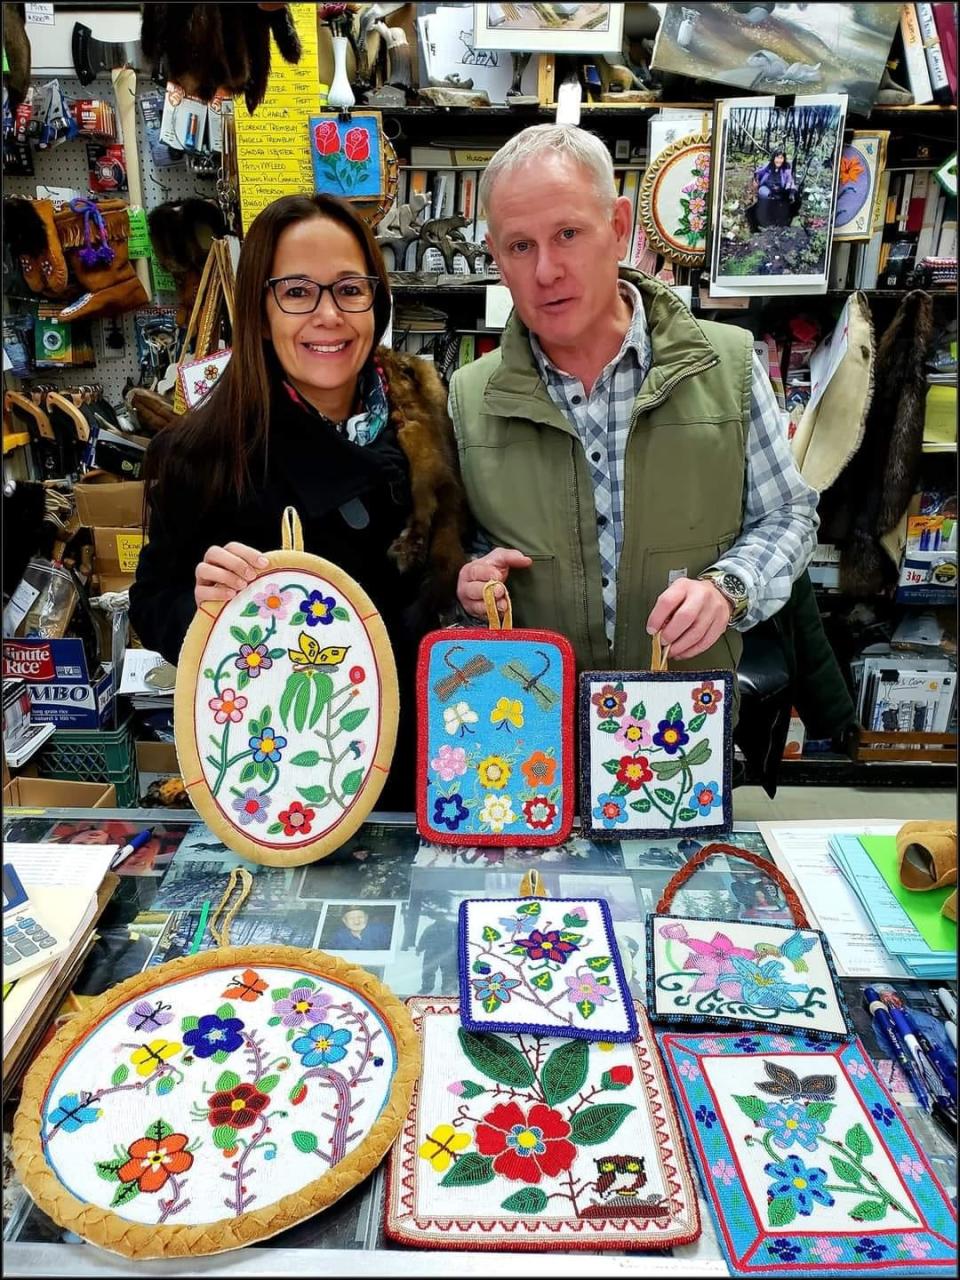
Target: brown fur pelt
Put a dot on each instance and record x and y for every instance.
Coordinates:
(206, 47)
(181, 232)
(875, 488)
(437, 527)
(17, 48)
(902, 390)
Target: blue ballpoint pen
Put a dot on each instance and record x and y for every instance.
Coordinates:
(942, 1106)
(134, 843)
(883, 1023)
(938, 1060)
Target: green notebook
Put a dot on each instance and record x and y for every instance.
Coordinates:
(923, 908)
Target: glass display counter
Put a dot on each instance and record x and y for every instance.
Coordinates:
(389, 902)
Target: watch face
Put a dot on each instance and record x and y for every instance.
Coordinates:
(730, 582)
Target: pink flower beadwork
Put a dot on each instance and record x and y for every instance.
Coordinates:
(272, 602)
(916, 1246)
(228, 706)
(723, 1170)
(826, 1250)
(689, 1070)
(633, 733)
(911, 1168)
(449, 763)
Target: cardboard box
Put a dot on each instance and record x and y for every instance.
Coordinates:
(117, 551)
(156, 761)
(50, 793)
(62, 661)
(105, 501)
(74, 706)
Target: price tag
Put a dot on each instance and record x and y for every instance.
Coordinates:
(18, 606)
(38, 15)
(138, 246)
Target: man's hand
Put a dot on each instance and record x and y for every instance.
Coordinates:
(224, 571)
(690, 615)
(493, 567)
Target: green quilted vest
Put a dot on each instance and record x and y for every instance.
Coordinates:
(529, 486)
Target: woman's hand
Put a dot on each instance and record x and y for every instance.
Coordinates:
(224, 571)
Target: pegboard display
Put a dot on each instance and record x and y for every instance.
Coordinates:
(66, 166)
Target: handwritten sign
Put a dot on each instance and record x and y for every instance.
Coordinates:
(273, 148)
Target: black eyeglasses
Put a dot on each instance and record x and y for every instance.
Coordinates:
(299, 295)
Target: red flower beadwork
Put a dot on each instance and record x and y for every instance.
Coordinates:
(527, 1147)
(326, 138)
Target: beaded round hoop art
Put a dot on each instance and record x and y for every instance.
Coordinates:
(215, 1101)
(286, 709)
(673, 201)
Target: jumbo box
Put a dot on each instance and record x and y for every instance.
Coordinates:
(74, 706)
(35, 660)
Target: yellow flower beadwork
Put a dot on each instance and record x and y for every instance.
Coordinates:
(494, 772)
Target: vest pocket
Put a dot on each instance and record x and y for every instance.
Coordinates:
(535, 592)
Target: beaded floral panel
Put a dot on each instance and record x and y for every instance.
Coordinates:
(217, 1095)
(750, 974)
(655, 753)
(495, 738)
(806, 1162)
(525, 1142)
(286, 711)
(545, 965)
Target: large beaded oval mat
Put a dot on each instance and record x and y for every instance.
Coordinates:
(286, 711)
(215, 1100)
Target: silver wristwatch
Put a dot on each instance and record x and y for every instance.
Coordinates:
(732, 587)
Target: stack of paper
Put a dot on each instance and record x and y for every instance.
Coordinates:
(70, 886)
(909, 924)
(145, 695)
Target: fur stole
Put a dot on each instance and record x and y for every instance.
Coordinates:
(435, 533)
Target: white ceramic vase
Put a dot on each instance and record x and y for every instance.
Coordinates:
(340, 97)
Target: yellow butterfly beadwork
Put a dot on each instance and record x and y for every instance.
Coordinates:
(309, 653)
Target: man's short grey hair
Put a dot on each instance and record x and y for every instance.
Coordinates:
(569, 140)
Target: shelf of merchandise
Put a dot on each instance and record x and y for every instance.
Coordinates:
(836, 770)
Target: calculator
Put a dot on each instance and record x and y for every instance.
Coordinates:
(28, 944)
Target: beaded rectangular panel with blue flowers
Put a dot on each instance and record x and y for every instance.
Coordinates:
(729, 974)
(656, 752)
(495, 737)
(543, 965)
(805, 1161)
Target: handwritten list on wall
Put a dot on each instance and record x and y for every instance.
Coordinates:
(273, 146)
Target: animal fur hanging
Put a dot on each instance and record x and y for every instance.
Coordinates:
(207, 47)
(875, 489)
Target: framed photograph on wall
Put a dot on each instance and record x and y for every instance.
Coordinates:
(773, 193)
(862, 161)
(549, 28)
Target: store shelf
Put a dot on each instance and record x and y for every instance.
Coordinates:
(502, 112)
(432, 282)
(831, 770)
(940, 448)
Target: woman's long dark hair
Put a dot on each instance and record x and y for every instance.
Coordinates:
(218, 439)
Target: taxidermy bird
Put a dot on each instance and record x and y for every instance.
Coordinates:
(793, 949)
(620, 1176)
(770, 66)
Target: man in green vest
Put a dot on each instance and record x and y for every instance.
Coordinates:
(627, 465)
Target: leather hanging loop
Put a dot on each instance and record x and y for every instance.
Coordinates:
(765, 865)
(240, 879)
(291, 530)
(494, 621)
(532, 886)
(658, 658)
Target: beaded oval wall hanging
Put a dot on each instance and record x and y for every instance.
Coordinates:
(672, 206)
(285, 710)
(216, 1100)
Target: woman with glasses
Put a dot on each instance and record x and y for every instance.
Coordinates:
(310, 412)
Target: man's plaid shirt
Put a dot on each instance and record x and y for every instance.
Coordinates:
(779, 529)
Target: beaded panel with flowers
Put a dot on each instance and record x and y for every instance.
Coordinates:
(656, 753)
(544, 965)
(807, 1165)
(495, 737)
(535, 1142)
(730, 973)
(292, 721)
(218, 1094)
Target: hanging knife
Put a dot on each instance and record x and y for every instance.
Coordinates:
(92, 56)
